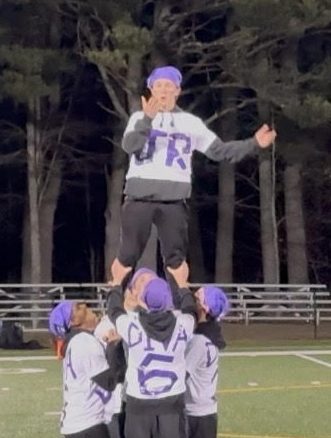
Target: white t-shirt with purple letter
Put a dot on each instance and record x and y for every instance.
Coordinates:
(155, 370)
(84, 400)
(115, 406)
(202, 358)
(168, 150)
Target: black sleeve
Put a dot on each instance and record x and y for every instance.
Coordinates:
(116, 359)
(187, 302)
(115, 374)
(222, 343)
(106, 380)
(135, 140)
(232, 151)
(115, 303)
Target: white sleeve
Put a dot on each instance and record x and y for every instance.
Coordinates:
(122, 326)
(103, 328)
(188, 323)
(205, 137)
(94, 358)
(194, 354)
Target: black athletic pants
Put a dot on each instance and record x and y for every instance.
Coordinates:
(202, 427)
(98, 431)
(155, 426)
(171, 220)
(116, 426)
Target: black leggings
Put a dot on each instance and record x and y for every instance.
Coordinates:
(155, 426)
(171, 220)
(116, 426)
(98, 431)
(202, 427)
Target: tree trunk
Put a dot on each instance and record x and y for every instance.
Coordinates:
(43, 194)
(297, 265)
(268, 219)
(26, 246)
(225, 223)
(269, 242)
(226, 195)
(46, 227)
(33, 137)
(46, 221)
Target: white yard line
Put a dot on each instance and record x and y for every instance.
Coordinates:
(25, 358)
(313, 359)
(226, 354)
(274, 353)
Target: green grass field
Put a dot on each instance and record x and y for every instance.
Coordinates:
(268, 396)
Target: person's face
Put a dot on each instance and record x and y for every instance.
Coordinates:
(199, 302)
(83, 317)
(166, 92)
(130, 300)
(140, 283)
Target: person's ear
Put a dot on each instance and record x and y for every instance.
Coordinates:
(178, 91)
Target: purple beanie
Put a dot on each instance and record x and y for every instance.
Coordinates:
(216, 301)
(60, 317)
(140, 272)
(167, 72)
(157, 295)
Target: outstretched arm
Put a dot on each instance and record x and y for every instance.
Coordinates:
(233, 151)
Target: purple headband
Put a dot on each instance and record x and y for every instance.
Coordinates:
(167, 72)
(216, 301)
(60, 317)
(157, 295)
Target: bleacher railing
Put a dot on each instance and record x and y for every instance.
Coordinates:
(30, 304)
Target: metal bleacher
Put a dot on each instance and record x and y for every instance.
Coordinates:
(282, 302)
(29, 305)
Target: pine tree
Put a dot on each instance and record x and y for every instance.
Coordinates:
(270, 54)
(31, 67)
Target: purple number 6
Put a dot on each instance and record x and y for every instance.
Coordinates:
(144, 376)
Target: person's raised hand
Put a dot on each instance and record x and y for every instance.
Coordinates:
(150, 107)
(265, 136)
(111, 336)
